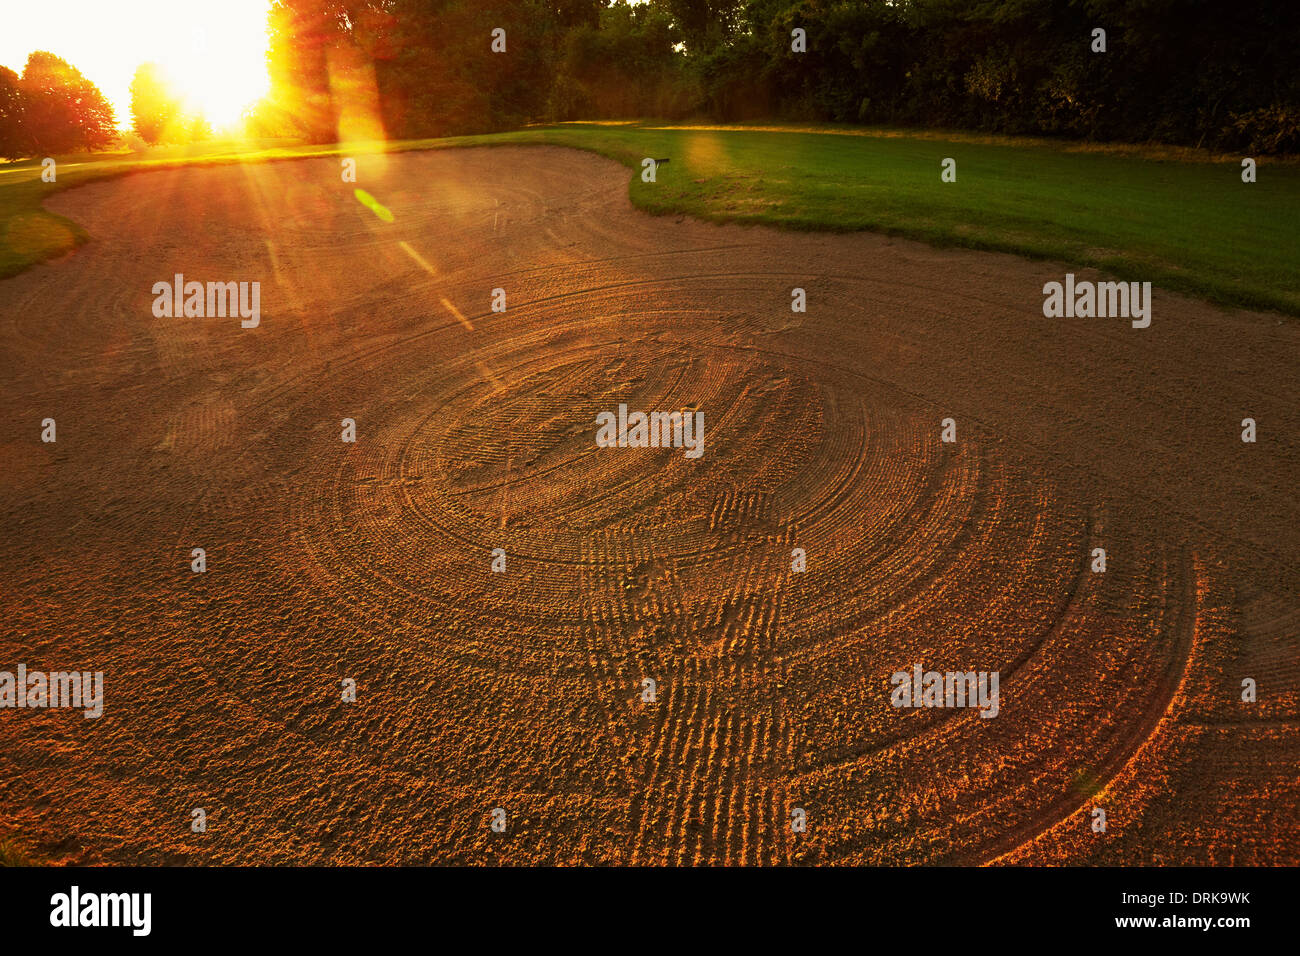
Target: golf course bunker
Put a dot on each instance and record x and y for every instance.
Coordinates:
(496, 589)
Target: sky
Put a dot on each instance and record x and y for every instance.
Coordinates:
(214, 49)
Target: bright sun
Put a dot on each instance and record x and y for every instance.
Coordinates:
(213, 51)
(218, 62)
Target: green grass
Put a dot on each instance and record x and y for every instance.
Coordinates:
(1181, 219)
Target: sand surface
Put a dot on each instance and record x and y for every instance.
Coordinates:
(522, 690)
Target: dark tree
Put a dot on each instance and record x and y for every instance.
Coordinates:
(13, 137)
(62, 110)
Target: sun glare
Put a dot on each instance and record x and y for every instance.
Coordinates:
(213, 51)
(219, 61)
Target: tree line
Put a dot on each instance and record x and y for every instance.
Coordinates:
(52, 108)
(1191, 72)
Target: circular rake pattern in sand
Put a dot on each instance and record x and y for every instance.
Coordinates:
(772, 686)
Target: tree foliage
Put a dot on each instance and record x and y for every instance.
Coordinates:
(155, 110)
(1178, 71)
(13, 140)
(52, 109)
